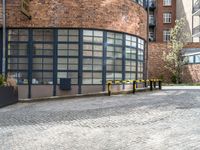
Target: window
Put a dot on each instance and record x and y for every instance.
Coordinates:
(151, 19)
(130, 62)
(140, 70)
(167, 2)
(190, 59)
(68, 55)
(92, 56)
(197, 58)
(17, 57)
(114, 56)
(42, 61)
(140, 58)
(31, 56)
(167, 17)
(166, 35)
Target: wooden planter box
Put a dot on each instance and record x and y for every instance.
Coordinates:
(8, 96)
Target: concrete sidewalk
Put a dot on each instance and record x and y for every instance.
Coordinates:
(181, 87)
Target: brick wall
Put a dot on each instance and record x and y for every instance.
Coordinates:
(119, 15)
(160, 26)
(193, 45)
(191, 73)
(156, 69)
(156, 64)
(1, 15)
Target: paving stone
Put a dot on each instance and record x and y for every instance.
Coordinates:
(160, 120)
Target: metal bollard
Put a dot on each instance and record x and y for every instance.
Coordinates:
(109, 89)
(154, 84)
(151, 85)
(134, 87)
(145, 83)
(160, 85)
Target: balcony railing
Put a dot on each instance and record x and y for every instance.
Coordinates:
(151, 36)
(152, 21)
(196, 31)
(152, 4)
(196, 6)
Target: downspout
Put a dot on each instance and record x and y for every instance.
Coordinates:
(4, 39)
(147, 48)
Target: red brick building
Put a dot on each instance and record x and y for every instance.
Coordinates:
(163, 12)
(162, 16)
(86, 42)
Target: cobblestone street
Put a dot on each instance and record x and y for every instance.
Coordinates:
(158, 120)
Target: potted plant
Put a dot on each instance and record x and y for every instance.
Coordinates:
(8, 91)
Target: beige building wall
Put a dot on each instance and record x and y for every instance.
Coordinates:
(184, 9)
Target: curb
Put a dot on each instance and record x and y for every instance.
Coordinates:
(52, 98)
(61, 97)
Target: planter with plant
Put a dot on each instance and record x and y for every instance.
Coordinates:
(8, 91)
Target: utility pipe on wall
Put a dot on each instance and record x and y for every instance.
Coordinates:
(4, 38)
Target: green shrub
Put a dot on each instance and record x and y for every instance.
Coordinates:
(2, 80)
(173, 79)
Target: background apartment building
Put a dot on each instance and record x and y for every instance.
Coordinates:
(166, 12)
(162, 16)
(191, 10)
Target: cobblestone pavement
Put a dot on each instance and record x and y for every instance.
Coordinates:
(161, 120)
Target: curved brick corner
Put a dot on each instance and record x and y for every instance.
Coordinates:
(118, 15)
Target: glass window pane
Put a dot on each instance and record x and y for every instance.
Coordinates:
(197, 58)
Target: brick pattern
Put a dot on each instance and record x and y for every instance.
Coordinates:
(156, 67)
(156, 64)
(123, 16)
(130, 122)
(1, 15)
(191, 73)
(160, 26)
(193, 45)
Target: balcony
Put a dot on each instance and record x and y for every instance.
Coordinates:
(196, 8)
(152, 21)
(152, 36)
(196, 31)
(152, 5)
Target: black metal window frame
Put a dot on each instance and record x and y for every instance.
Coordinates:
(93, 43)
(14, 53)
(116, 45)
(68, 57)
(131, 44)
(42, 49)
(54, 55)
(194, 57)
(141, 58)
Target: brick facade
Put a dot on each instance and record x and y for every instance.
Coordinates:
(123, 16)
(156, 64)
(191, 73)
(160, 26)
(156, 67)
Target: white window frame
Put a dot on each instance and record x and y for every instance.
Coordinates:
(166, 35)
(167, 17)
(167, 2)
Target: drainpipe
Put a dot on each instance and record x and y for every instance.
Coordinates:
(4, 38)
(147, 48)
